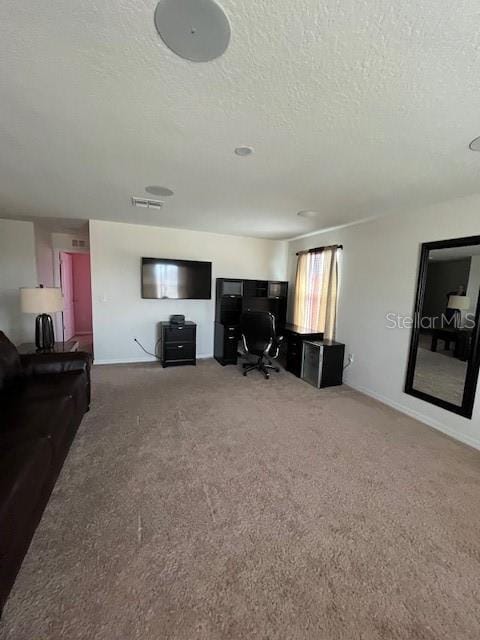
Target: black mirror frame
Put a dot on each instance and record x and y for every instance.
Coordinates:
(468, 401)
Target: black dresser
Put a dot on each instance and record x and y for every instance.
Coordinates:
(233, 297)
(178, 343)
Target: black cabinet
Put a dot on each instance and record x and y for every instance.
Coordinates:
(322, 363)
(277, 290)
(226, 343)
(178, 344)
(229, 288)
(235, 296)
(294, 336)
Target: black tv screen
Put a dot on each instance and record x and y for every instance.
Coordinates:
(176, 279)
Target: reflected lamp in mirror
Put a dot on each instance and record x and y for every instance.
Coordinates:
(42, 301)
(444, 358)
(458, 304)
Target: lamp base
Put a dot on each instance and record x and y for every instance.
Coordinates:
(44, 336)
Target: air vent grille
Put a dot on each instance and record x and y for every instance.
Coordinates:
(146, 203)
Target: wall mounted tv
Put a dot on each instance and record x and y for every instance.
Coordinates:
(164, 279)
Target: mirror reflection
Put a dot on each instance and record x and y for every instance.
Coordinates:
(446, 333)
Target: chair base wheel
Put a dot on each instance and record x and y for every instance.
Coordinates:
(264, 365)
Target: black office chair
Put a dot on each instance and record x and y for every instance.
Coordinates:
(260, 339)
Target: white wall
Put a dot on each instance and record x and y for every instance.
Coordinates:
(120, 314)
(17, 269)
(473, 284)
(379, 275)
(44, 255)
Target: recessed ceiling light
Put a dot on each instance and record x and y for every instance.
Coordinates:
(159, 191)
(244, 151)
(197, 30)
(475, 144)
(308, 214)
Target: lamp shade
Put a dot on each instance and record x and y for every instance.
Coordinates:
(41, 299)
(462, 303)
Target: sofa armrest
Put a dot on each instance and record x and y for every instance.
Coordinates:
(43, 363)
(37, 363)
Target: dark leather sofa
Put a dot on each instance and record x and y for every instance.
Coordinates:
(43, 398)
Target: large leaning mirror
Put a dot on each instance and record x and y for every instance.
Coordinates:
(444, 355)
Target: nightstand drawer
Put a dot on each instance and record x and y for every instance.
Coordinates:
(179, 351)
(179, 334)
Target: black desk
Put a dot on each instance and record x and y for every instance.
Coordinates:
(234, 296)
(294, 336)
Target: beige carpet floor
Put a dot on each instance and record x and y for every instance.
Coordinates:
(198, 504)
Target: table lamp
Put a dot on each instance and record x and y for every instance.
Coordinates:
(42, 300)
(459, 304)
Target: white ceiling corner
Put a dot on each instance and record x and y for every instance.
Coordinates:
(354, 108)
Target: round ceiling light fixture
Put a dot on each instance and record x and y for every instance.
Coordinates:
(308, 213)
(159, 191)
(197, 30)
(244, 151)
(475, 144)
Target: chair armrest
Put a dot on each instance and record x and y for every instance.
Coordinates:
(39, 363)
(275, 347)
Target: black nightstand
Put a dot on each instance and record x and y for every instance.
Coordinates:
(178, 344)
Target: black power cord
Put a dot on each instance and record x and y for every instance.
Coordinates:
(155, 355)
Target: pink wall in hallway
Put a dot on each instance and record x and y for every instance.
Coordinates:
(82, 292)
(66, 271)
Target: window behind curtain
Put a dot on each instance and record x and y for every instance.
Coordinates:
(316, 291)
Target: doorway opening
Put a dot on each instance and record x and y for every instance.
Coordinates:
(76, 285)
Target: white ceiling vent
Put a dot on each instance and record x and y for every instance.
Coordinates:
(146, 203)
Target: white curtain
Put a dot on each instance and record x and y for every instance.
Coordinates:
(316, 285)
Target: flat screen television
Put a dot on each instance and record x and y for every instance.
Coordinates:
(164, 279)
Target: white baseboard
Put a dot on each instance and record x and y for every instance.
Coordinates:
(431, 422)
(137, 360)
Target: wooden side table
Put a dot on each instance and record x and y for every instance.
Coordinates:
(27, 348)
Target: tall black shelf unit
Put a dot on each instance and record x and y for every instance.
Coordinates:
(233, 297)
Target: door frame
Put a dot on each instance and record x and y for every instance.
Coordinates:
(58, 283)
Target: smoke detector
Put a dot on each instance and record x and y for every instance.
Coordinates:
(146, 203)
(475, 144)
(156, 190)
(244, 150)
(308, 213)
(197, 30)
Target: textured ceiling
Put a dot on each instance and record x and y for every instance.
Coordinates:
(355, 109)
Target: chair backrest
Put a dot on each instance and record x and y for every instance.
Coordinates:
(258, 331)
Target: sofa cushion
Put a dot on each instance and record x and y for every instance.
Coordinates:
(53, 386)
(11, 371)
(24, 472)
(54, 418)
